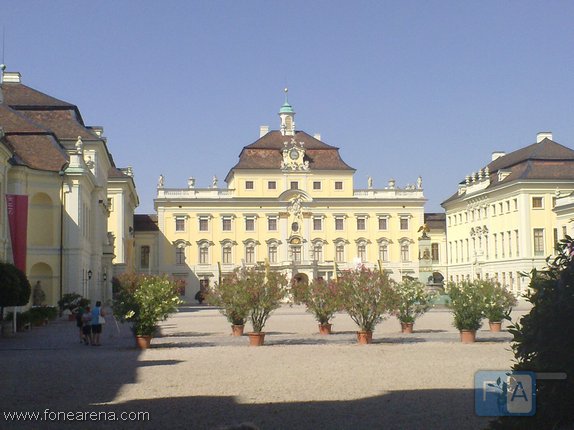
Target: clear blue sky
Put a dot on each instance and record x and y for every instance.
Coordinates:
(404, 88)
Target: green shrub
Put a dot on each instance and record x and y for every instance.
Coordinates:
(145, 300)
(413, 300)
(230, 295)
(322, 298)
(264, 289)
(466, 300)
(543, 342)
(366, 296)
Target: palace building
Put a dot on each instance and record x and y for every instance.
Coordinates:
(290, 201)
(55, 176)
(503, 221)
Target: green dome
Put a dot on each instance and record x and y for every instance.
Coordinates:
(286, 108)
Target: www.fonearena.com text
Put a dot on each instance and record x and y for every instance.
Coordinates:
(80, 416)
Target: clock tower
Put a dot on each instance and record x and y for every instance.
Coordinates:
(287, 115)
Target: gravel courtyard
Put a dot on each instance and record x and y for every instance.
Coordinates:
(197, 376)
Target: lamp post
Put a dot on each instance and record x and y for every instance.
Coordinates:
(89, 277)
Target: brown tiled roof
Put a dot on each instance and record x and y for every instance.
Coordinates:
(12, 121)
(145, 222)
(546, 160)
(20, 96)
(40, 152)
(266, 153)
(63, 123)
(435, 220)
(114, 172)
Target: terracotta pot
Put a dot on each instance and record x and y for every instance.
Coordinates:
(364, 337)
(256, 339)
(407, 327)
(468, 336)
(325, 328)
(237, 329)
(495, 326)
(143, 342)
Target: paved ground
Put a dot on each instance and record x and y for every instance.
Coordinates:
(197, 376)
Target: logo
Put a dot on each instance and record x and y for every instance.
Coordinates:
(504, 393)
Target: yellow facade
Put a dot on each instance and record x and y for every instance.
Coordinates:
(291, 202)
(501, 223)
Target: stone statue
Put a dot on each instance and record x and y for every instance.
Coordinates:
(160, 181)
(214, 182)
(38, 295)
(392, 183)
(295, 207)
(191, 182)
(419, 182)
(370, 182)
(79, 146)
(424, 229)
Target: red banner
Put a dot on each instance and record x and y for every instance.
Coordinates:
(17, 206)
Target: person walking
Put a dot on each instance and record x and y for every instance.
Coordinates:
(87, 326)
(79, 322)
(97, 316)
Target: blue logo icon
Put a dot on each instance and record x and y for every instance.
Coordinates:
(504, 393)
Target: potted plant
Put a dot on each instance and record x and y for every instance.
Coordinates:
(413, 301)
(321, 298)
(366, 296)
(264, 290)
(145, 301)
(498, 303)
(230, 296)
(466, 301)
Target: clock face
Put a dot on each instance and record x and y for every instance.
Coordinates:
(294, 154)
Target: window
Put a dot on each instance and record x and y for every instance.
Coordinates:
(502, 244)
(383, 251)
(564, 233)
(339, 225)
(271, 185)
(248, 185)
(361, 223)
(493, 210)
(272, 224)
(272, 252)
(340, 253)
(553, 202)
(404, 251)
(517, 244)
(495, 245)
(404, 223)
(226, 223)
(203, 223)
(204, 253)
(362, 251)
(317, 223)
(144, 257)
(338, 185)
(434, 252)
(294, 185)
(179, 223)
(383, 223)
(318, 252)
(316, 185)
(515, 201)
(537, 202)
(508, 206)
(250, 224)
(250, 253)
(226, 254)
(555, 238)
(180, 255)
(509, 244)
(539, 241)
(296, 253)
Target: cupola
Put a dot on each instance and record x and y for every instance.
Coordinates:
(287, 115)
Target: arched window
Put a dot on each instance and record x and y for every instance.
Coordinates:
(340, 251)
(405, 254)
(250, 251)
(144, 257)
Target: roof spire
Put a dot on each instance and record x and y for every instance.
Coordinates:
(287, 115)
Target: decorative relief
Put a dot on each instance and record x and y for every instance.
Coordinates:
(293, 154)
